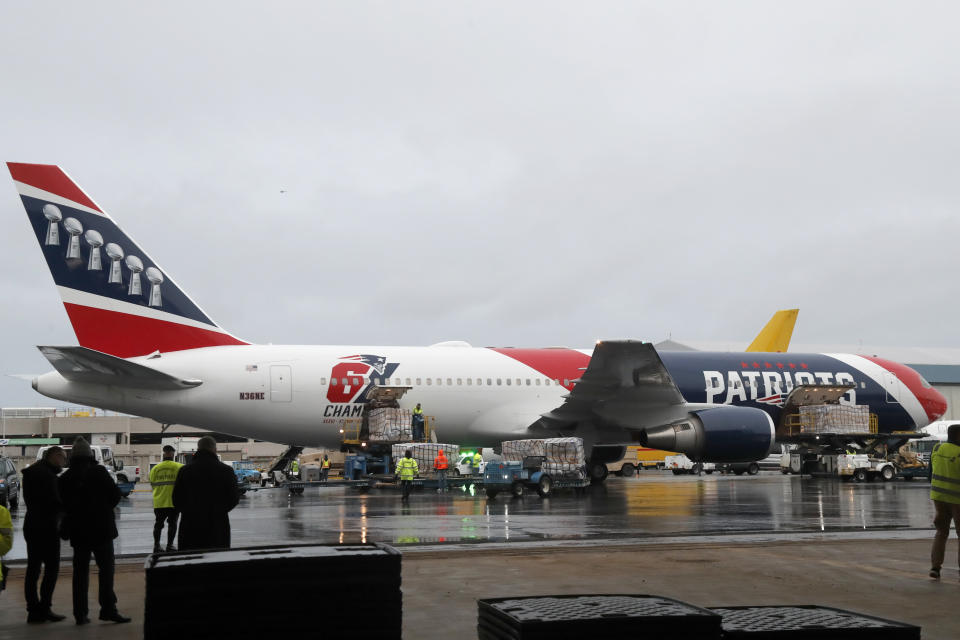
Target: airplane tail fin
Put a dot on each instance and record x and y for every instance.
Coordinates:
(775, 336)
(119, 300)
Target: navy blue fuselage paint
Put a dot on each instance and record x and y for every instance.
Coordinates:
(765, 379)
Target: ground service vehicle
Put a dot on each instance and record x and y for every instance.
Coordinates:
(146, 348)
(103, 455)
(464, 466)
(520, 477)
(681, 464)
(9, 484)
(739, 468)
(249, 472)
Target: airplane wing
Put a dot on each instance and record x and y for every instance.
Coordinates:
(625, 384)
(81, 364)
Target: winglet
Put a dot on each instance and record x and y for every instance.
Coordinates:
(775, 336)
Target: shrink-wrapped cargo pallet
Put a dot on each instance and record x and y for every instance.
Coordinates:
(564, 450)
(565, 470)
(389, 424)
(425, 452)
(835, 418)
(517, 450)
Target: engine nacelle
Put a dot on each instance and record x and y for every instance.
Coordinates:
(723, 434)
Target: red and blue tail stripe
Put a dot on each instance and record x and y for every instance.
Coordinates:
(118, 299)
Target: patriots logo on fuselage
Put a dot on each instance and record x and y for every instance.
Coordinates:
(377, 363)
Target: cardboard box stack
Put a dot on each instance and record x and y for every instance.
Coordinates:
(389, 424)
(565, 458)
(835, 418)
(516, 450)
(424, 453)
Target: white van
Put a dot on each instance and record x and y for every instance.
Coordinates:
(102, 453)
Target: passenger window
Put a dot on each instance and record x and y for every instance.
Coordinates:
(489, 381)
(508, 382)
(469, 381)
(499, 381)
(408, 382)
(546, 382)
(528, 382)
(345, 381)
(333, 382)
(356, 382)
(566, 382)
(459, 381)
(450, 382)
(418, 381)
(519, 382)
(429, 381)
(538, 382)
(323, 382)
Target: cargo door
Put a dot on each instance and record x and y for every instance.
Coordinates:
(281, 383)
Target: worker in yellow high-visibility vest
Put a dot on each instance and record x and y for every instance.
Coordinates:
(162, 478)
(407, 470)
(945, 493)
(477, 461)
(325, 468)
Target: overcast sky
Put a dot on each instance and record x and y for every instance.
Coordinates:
(510, 174)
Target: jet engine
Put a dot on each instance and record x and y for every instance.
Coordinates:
(722, 434)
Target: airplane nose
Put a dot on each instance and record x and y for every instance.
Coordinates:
(935, 404)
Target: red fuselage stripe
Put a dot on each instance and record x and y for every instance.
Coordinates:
(50, 178)
(559, 364)
(126, 335)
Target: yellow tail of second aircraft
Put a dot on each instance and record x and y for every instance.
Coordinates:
(775, 336)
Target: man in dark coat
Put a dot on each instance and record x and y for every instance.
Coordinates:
(204, 494)
(89, 495)
(41, 533)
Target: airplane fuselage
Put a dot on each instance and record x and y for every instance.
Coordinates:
(477, 396)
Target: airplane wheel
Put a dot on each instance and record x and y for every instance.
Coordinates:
(598, 472)
(544, 485)
(517, 489)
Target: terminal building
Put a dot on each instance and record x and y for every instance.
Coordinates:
(135, 441)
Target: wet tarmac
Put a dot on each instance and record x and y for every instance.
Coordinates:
(653, 506)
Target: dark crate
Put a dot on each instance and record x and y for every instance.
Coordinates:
(258, 590)
(572, 616)
(809, 622)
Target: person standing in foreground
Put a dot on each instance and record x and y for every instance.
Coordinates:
(89, 495)
(407, 469)
(162, 478)
(440, 465)
(6, 543)
(325, 468)
(945, 493)
(41, 533)
(204, 493)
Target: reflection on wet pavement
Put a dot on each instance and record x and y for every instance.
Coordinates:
(653, 505)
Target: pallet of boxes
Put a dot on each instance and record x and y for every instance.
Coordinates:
(425, 453)
(543, 464)
(390, 424)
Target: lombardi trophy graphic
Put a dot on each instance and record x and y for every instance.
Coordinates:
(52, 213)
(115, 253)
(95, 240)
(156, 278)
(136, 266)
(74, 228)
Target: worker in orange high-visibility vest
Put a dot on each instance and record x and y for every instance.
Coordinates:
(440, 465)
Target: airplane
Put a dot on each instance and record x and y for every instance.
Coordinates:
(147, 349)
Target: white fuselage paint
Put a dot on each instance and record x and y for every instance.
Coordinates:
(479, 415)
